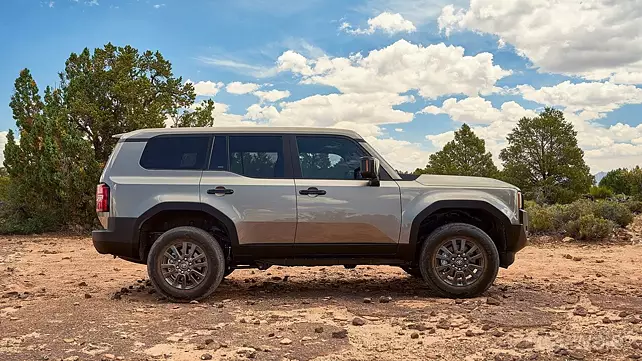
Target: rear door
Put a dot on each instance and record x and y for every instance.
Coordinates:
(338, 212)
(250, 180)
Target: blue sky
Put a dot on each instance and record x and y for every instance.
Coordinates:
(406, 94)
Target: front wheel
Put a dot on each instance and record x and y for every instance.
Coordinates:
(459, 260)
(186, 263)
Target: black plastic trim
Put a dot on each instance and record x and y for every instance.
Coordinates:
(117, 239)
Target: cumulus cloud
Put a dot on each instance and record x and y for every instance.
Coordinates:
(241, 88)
(434, 70)
(206, 88)
(600, 39)
(387, 22)
(401, 154)
(272, 95)
(593, 98)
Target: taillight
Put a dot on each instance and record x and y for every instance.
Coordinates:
(102, 198)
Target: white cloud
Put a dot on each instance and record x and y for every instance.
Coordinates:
(239, 66)
(399, 130)
(206, 88)
(476, 110)
(3, 142)
(158, 6)
(584, 97)
(272, 95)
(387, 22)
(595, 39)
(401, 154)
(51, 4)
(434, 71)
(419, 11)
(241, 88)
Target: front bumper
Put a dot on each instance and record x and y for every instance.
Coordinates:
(516, 240)
(118, 239)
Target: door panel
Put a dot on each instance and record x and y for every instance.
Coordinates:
(250, 180)
(350, 211)
(263, 210)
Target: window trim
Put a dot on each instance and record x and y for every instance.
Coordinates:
(205, 161)
(298, 173)
(287, 165)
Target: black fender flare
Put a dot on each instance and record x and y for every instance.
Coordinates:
(409, 252)
(184, 206)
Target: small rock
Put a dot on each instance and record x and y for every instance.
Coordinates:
(580, 311)
(318, 329)
(340, 334)
(108, 356)
(568, 239)
(87, 296)
(248, 352)
(367, 300)
(623, 314)
(577, 259)
(470, 333)
(285, 341)
(525, 344)
(357, 321)
(417, 326)
(459, 301)
(637, 345)
(68, 340)
(82, 284)
(116, 296)
(486, 327)
(193, 302)
(72, 358)
(493, 301)
(444, 324)
(607, 320)
(206, 356)
(385, 299)
(414, 335)
(635, 357)
(306, 339)
(498, 333)
(599, 261)
(576, 355)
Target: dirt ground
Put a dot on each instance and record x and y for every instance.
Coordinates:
(59, 299)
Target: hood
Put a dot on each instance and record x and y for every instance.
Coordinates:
(461, 181)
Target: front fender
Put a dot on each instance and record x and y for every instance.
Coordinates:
(418, 205)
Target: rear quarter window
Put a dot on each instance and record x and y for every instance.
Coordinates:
(184, 152)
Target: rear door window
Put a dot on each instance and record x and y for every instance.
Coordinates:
(257, 156)
(175, 152)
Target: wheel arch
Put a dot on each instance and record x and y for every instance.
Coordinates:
(190, 209)
(468, 209)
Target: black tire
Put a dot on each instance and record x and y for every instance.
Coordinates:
(413, 271)
(432, 256)
(213, 253)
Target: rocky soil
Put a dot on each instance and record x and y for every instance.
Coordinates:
(60, 300)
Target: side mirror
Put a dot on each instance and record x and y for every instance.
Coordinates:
(370, 170)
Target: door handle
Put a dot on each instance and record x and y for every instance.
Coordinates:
(220, 191)
(312, 191)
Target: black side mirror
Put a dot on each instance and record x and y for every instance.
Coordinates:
(370, 170)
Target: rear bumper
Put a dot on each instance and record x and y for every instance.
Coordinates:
(516, 240)
(118, 239)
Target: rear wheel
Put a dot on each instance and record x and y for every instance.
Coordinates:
(459, 260)
(186, 263)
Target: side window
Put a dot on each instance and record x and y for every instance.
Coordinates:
(257, 156)
(184, 152)
(218, 160)
(329, 158)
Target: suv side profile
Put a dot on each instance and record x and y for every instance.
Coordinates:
(194, 204)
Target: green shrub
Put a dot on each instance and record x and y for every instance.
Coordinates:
(540, 218)
(635, 206)
(590, 228)
(562, 214)
(613, 211)
(601, 192)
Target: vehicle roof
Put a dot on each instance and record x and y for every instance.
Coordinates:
(151, 132)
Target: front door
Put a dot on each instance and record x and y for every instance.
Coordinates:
(336, 209)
